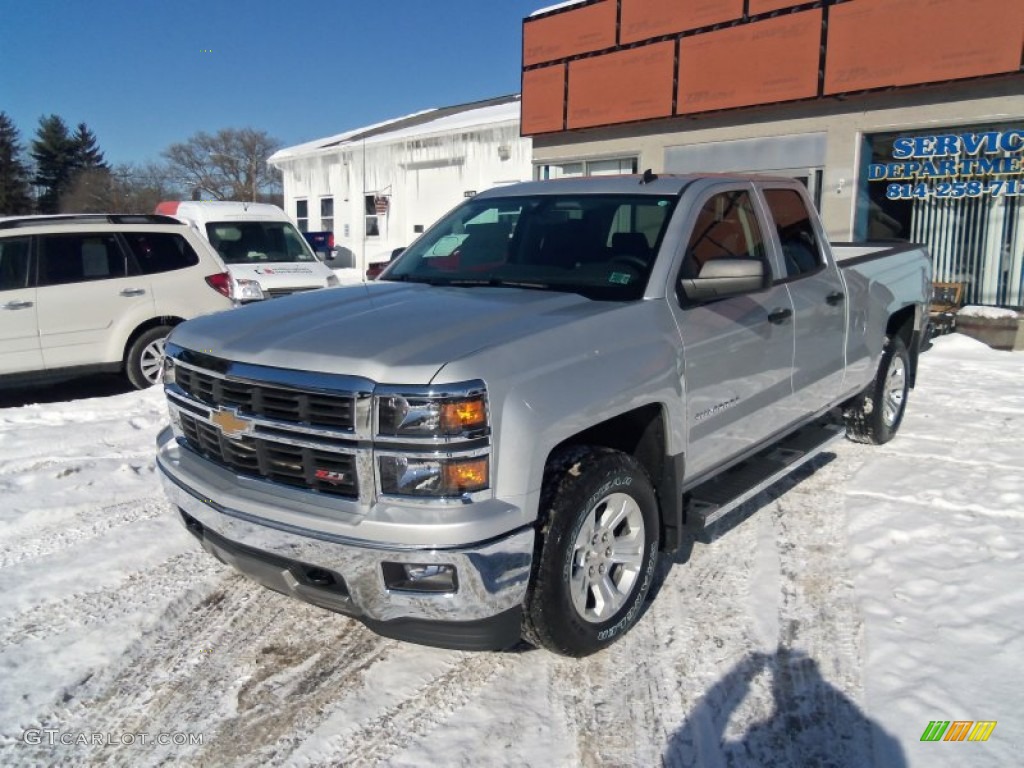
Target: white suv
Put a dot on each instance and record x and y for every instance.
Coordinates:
(89, 293)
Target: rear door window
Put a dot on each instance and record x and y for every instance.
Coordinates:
(160, 251)
(801, 252)
(80, 258)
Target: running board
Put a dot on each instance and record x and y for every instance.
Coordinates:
(717, 497)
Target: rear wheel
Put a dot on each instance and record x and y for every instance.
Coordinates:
(875, 415)
(144, 362)
(598, 552)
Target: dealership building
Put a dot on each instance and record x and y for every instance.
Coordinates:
(904, 118)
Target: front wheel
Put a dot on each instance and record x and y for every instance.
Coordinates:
(144, 361)
(598, 553)
(875, 415)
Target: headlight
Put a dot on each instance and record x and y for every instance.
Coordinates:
(424, 416)
(332, 281)
(433, 477)
(248, 290)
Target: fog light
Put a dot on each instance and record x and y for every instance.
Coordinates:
(420, 577)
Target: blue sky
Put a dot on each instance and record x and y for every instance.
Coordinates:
(146, 73)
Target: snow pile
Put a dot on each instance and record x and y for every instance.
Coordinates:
(989, 313)
(845, 609)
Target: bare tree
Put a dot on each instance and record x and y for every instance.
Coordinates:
(228, 165)
(89, 191)
(125, 188)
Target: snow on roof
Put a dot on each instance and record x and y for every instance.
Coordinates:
(429, 121)
(557, 6)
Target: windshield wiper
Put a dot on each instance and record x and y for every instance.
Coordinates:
(494, 282)
(415, 279)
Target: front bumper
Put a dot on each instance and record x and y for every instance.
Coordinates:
(346, 575)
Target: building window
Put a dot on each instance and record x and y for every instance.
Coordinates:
(372, 222)
(302, 215)
(327, 214)
(958, 191)
(618, 165)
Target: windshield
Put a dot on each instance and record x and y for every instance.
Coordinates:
(600, 246)
(258, 242)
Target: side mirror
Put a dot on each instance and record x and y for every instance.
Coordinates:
(720, 278)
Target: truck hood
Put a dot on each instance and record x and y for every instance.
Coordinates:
(397, 333)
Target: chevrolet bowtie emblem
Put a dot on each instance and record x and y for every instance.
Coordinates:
(230, 424)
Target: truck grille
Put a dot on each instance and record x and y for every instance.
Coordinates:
(314, 409)
(321, 470)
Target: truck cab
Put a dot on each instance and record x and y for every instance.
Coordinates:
(265, 255)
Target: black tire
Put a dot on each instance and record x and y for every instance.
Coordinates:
(875, 415)
(140, 358)
(587, 486)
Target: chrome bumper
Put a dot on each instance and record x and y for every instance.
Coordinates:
(483, 611)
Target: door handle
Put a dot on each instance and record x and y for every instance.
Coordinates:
(133, 291)
(779, 316)
(834, 298)
(18, 304)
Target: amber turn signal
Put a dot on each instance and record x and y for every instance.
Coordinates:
(460, 415)
(466, 476)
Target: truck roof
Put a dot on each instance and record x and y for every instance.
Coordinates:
(639, 184)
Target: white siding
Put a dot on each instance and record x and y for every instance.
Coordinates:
(423, 177)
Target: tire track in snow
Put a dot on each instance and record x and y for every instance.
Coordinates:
(103, 606)
(242, 666)
(816, 671)
(88, 523)
(387, 732)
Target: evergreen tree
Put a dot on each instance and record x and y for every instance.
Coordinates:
(85, 151)
(15, 194)
(90, 188)
(53, 151)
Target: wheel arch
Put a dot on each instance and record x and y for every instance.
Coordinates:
(905, 324)
(154, 322)
(642, 434)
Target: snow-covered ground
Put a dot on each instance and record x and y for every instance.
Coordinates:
(878, 590)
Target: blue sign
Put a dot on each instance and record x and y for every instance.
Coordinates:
(954, 165)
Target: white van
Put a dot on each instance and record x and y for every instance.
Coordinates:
(264, 252)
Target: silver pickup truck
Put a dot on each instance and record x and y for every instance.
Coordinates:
(552, 385)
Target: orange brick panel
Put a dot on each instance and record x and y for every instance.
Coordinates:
(543, 100)
(879, 43)
(643, 19)
(766, 6)
(621, 87)
(759, 63)
(579, 30)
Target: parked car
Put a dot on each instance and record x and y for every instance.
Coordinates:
(374, 269)
(556, 382)
(89, 293)
(265, 254)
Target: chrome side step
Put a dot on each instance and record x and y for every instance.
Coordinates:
(713, 499)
